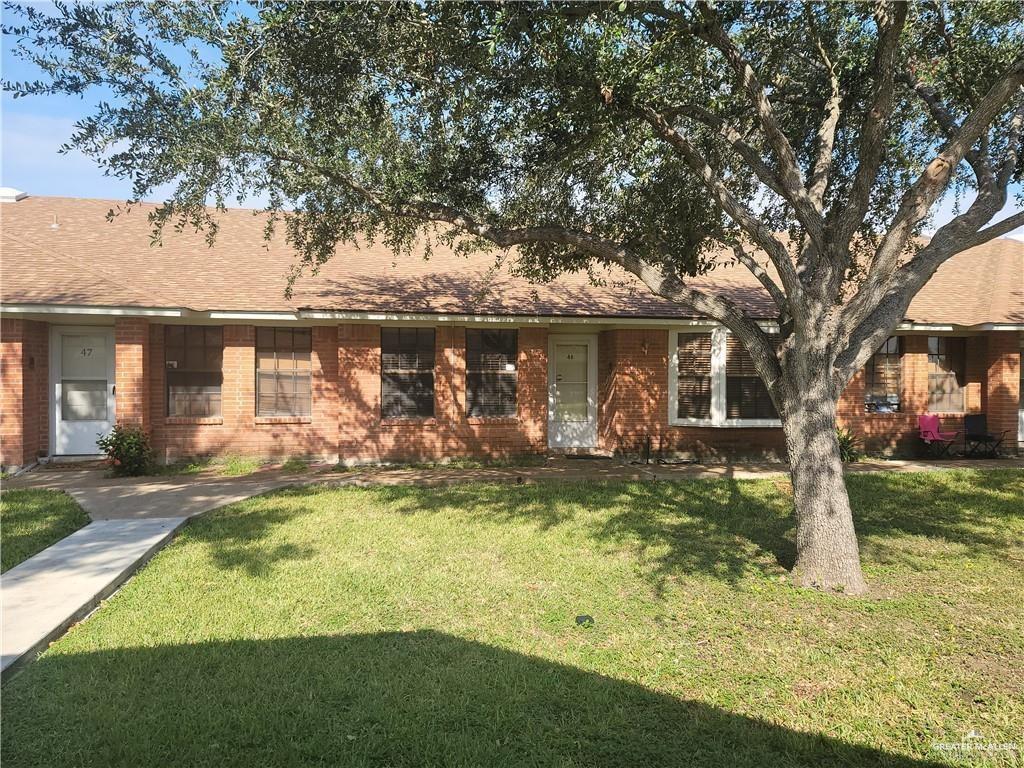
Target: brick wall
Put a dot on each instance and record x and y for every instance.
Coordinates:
(633, 387)
(1002, 383)
(24, 380)
(238, 431)
(345, 422)
(132, 371)
(990, 359)
(364, 436)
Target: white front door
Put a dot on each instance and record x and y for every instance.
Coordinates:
(82, 365)
(572, 391)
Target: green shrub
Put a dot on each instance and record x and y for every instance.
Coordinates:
(849, 446)
(128, 450)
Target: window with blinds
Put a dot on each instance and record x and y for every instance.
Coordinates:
(746, 396)
(882, 378)
(694, 374)
(407, 373)
(193, 359)
(491, 372)
(283, 371)
(946, 367)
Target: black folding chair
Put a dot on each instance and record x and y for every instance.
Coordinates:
(978, 441)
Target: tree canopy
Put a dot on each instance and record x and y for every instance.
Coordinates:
(809, 141)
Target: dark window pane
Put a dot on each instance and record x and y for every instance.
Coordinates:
(882, 378)
(694, 376)
(946, 373)
(746, 396)
(174, 335)
(407, 395)
(193, 359)
(265, 338)
(407, 372)
(491, 376)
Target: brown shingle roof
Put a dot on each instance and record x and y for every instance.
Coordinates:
(87, 260)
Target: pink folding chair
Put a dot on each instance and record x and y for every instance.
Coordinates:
(937, 443)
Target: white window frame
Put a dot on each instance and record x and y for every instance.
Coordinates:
(719, 336)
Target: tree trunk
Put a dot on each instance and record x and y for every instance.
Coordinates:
(827, 557)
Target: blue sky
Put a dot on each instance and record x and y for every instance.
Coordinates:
(33, 129)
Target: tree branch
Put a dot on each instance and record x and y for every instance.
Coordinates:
(922, 195)
(947, 124)
(750, 224)
(734, 139)
(715, 35)
(763, 277)
(826, 136)
(872, 135)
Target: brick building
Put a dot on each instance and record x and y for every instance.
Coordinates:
(379, 358)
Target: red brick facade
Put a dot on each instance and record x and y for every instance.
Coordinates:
(24, 379)
(345, 423)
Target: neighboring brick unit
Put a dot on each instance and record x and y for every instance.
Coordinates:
(238, 430)
(24, 377)
(345, 423)
(365, 436)
(633, 385)
(1002, 382)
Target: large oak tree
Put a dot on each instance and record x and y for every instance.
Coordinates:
(808, 141)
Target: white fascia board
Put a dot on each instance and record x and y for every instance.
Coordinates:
(68, 309)
(272, 317)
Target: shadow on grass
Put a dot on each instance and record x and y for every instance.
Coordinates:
(411, 698)
(723, 528)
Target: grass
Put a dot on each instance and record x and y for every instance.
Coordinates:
(294, 465)
(412, 626)
(32, 520)
(228, 466)
(460, 462)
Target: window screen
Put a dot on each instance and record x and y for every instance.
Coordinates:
(491, 372)
(946, 363)
(283, 371)
(882, 378)
(746, 396)
(407, 372)
(694, 376)
(193, 358)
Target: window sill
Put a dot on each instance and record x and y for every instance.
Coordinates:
(885, 414)
(728, 423)
(214, 420)
(411, 421)
(284, 420)
(492, 419)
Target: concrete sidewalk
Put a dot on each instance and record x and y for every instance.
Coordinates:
(47, 593)
(132, 520)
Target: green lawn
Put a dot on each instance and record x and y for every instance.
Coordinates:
(406, 627)
(32, 520)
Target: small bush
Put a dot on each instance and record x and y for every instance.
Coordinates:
(128, 450)
(849, 446)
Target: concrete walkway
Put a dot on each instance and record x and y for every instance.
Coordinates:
(133, 518)
(47, 593)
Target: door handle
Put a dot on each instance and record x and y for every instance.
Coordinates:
(113, 389)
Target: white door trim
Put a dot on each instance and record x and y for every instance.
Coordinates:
(588, 437)
(54, 389)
